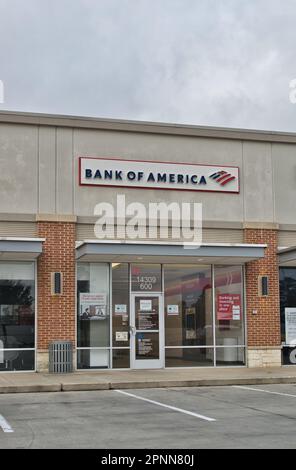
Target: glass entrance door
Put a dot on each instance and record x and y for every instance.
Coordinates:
(146, 331)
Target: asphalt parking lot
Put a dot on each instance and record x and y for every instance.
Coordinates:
(203, 417)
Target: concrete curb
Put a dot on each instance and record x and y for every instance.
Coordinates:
(203, 383)
(76, 387)
(30, 388)
(89, 386)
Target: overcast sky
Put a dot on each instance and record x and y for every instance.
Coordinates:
(205, 62)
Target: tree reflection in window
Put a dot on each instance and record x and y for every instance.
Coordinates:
(17, 313)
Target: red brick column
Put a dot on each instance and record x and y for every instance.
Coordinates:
(56, 313)
(263, 313)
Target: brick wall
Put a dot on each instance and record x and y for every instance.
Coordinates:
(56, 314)
(263, 328)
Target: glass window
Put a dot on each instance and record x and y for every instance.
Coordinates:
(230, 356)
(288, 312)
(17, 360)
(289, 355)
(146, 313)
(188, 314)
(120, 304)
(17, 315)
(147, 345)
(189, 357)
(93, 358)
(188, 305)
(93, 318)
(229, 306)
(121, 358)
(287, 295)
(146, 277)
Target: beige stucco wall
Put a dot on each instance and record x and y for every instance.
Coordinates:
(39, 172)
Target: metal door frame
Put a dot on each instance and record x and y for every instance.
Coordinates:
(146, 363)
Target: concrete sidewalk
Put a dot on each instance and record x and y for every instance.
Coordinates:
(118, 379)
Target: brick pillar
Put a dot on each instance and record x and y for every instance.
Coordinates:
(263, 313)
(56, 313)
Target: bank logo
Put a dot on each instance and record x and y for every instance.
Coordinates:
(222, 177)
(115, 172)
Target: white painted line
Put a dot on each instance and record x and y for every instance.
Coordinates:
(180, 410)
(5, 425)
(265, 391)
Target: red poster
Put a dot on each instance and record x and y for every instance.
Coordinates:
(229, 307)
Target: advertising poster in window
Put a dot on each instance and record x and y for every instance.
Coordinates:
(93, 306)
(229, 307)
(290, 322)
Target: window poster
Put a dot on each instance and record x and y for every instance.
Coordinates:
(148, 321)
(145, 305)
(121, 336)
(290, 322)
(145, 347)
(229, 307)
(173, 309)
(120, 309)
(92, 306)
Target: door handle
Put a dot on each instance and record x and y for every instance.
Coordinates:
(132, 330)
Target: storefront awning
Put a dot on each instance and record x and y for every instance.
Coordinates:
(20, 249)
(287, 256)
(159, 252)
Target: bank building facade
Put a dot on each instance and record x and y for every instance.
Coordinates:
(140, 297)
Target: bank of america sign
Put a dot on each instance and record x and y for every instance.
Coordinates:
(115, 172)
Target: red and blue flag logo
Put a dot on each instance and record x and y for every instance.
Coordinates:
(222, 177)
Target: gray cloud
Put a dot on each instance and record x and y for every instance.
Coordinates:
(189, 61)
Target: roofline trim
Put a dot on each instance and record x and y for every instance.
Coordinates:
(122, 125)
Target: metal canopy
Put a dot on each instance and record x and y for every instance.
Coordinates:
(157, 252)
(20, 248)
(287, 256)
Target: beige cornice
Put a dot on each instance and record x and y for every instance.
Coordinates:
(261, 225)
(56, 218)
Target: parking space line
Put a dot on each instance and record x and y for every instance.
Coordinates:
(5, 425)
(173, 408)
(264, 391)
